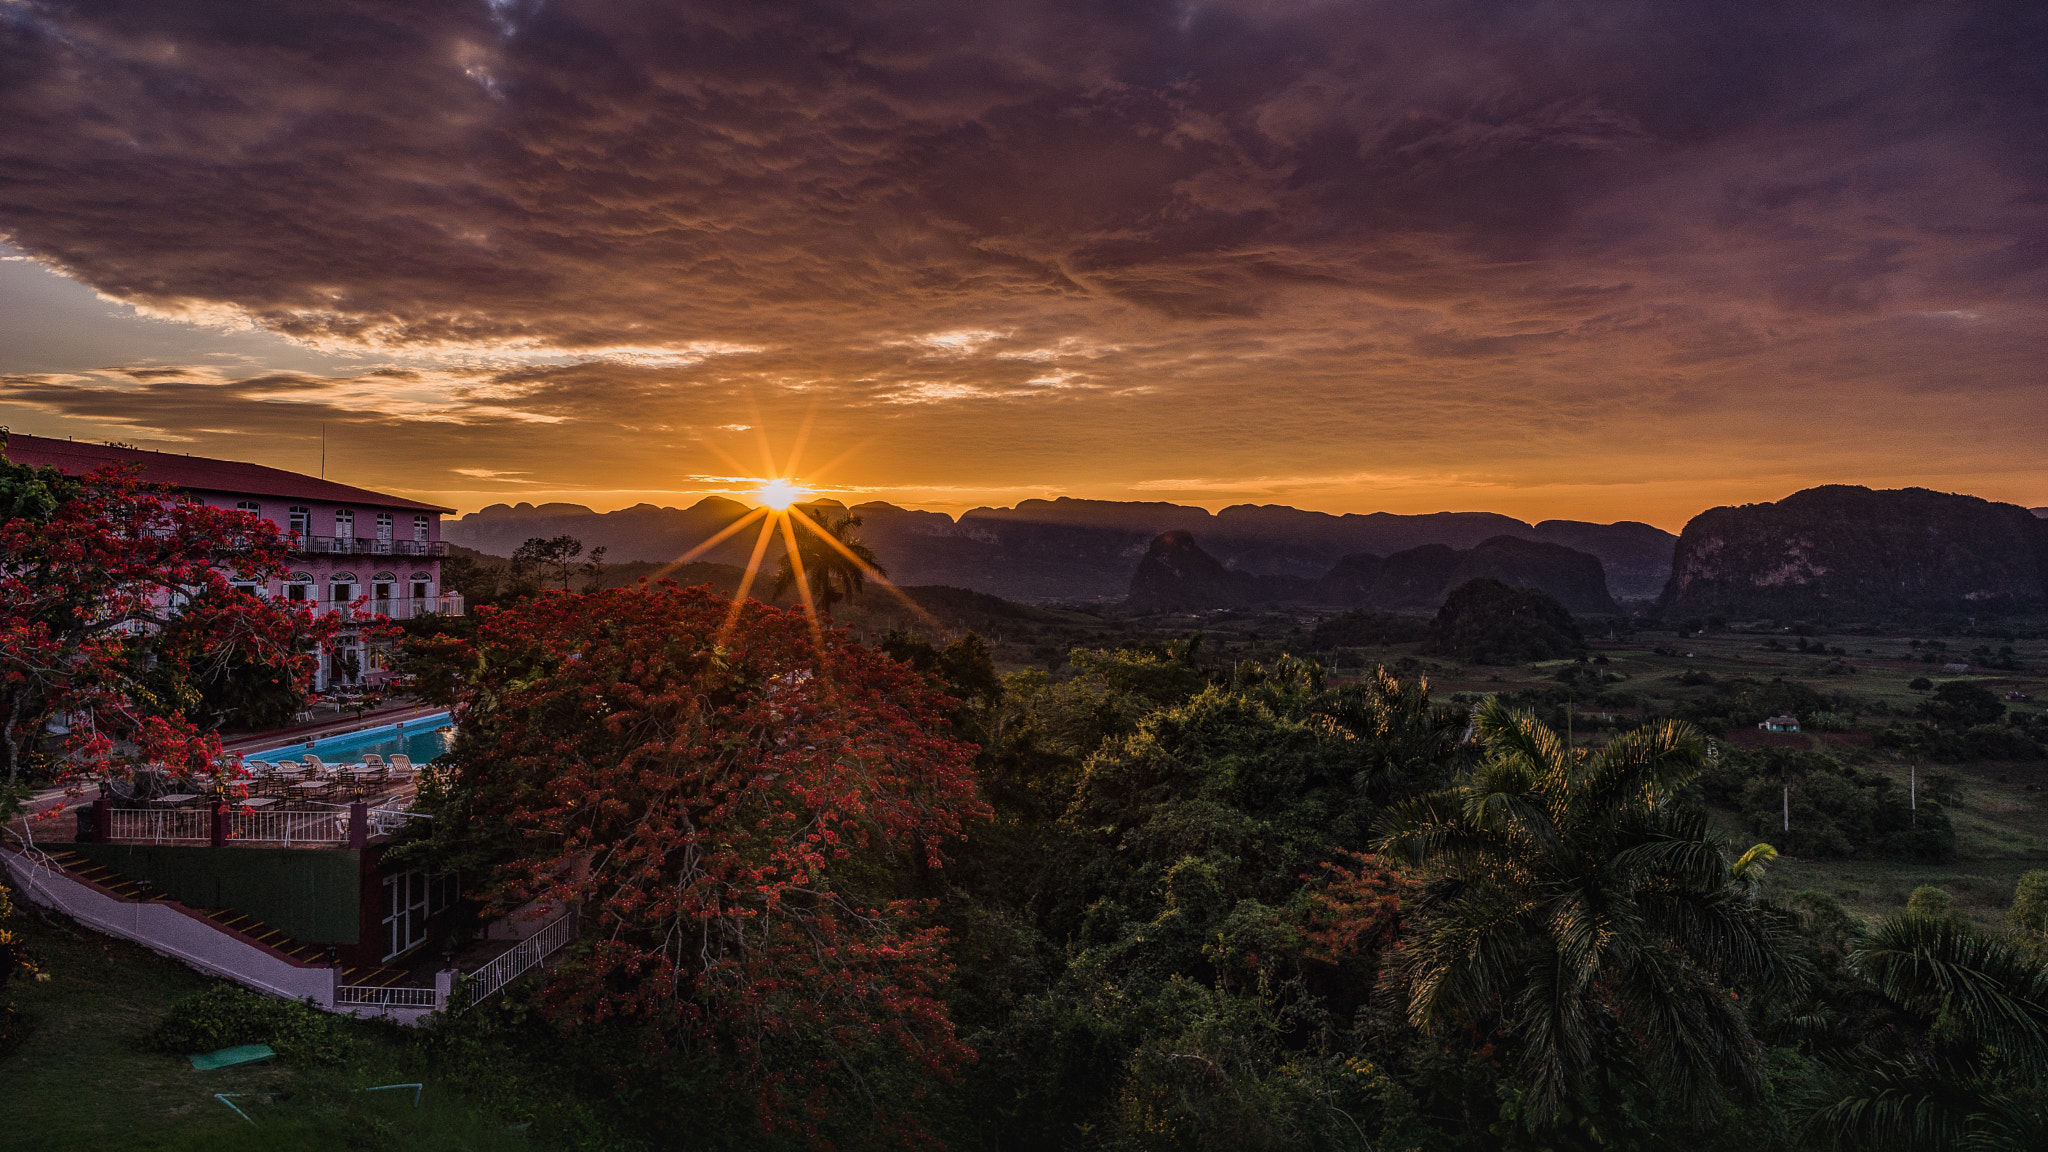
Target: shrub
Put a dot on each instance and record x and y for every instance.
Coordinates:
(2029, 911)
(1931, 903)
(225, 1016)
(1920, 684)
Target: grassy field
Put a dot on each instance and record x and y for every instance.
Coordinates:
(81, 1080)
(2001, 823)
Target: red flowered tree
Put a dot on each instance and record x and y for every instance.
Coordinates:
(724, 793)
(95, 572)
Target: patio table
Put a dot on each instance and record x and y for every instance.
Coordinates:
(177, 799)
(259, 802)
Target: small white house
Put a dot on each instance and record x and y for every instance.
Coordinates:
(1780, 724)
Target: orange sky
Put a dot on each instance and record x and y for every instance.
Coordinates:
(1621, 263)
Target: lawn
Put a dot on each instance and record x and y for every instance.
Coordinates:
(82, 1081)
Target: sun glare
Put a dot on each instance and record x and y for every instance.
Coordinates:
(779, 494)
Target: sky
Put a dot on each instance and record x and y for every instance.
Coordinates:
(1590, 260)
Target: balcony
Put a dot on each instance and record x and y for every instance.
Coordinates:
(366, 546)
(395, 608)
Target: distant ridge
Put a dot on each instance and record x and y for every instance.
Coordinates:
(1079, 550)
(1177, 574)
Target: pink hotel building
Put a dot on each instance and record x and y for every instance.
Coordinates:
(351, 542)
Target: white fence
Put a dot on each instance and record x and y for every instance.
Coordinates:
(384, 821)
(161, 826)
(524, 957)
(289, 828)
(194, 825)
(369, 996)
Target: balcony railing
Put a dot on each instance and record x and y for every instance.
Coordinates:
(368, 546)
(395, 608)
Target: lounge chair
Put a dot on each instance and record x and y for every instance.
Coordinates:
(372, 760)
(316, 765)
(400, 762)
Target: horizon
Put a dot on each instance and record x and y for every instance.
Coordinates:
(1618, 261)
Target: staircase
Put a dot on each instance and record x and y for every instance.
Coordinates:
(245, 928)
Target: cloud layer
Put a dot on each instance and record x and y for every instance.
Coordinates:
(1174, 242)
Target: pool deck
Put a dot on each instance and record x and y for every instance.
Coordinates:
(339, 726)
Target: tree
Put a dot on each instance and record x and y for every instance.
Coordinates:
(552, 559)
(1958, 705)
(723, 806)
(1966, 1070)
(1484, 621)
(100, 570)
(1576, 907)
(832, 574)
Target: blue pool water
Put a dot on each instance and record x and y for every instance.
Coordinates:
(421, 739)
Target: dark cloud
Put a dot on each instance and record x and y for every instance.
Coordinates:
(1408, 212)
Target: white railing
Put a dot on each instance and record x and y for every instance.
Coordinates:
(288, 828)
(370, 996)
(524, 957)
(161, 826)
(385, 821)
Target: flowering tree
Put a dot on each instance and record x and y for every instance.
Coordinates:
(724, 801)
(113, 594)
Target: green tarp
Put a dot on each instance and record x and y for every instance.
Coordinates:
(228, 1057)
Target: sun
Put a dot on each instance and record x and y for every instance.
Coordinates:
(779, 494)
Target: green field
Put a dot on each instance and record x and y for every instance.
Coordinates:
(81, 1079)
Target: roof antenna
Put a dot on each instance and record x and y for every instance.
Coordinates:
(323, 449)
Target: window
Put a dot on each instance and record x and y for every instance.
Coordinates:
(343, 587)
(249, 506)
(344, 522)
(383, 525)
(302, 520)
(410, 898)
(419, 529)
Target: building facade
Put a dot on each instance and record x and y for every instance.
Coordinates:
(348, 543)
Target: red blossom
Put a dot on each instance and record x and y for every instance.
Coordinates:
(88, 587)
(695, 788)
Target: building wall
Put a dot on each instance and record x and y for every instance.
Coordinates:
(312, 894)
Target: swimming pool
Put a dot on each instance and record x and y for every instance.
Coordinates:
(421, 739)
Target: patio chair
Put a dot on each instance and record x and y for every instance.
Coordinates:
(372, 760)
(400, 762)
(316, 764)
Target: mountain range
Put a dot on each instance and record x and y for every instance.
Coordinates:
(1069, 550)
(1176, 573)
(1832, 552)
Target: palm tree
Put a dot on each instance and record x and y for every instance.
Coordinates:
(1578, 908)
(833, 575)
(1967, 1071)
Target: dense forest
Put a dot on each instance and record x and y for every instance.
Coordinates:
(849, 895)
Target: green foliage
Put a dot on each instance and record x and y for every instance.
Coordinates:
(1484, 621)
(1958, 705)
(1931, 903)
(225, 1016)
(30, 493)
(1578, 909)
(1837, 811)
(1360, 628)
(2029, 911)
(1743, 702)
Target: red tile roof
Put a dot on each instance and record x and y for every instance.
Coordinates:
(199, 474)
